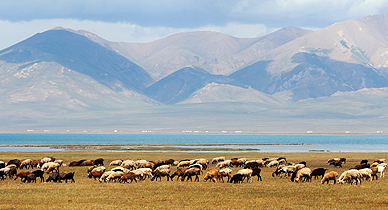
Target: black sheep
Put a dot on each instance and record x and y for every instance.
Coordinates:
(318, 172)
(39, 173)
(237, 178)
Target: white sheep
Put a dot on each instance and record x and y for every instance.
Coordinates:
(380, 169)
(303, 172)
(129, 164)
(114, 176)
(351, 176)
(116, 163)
(60, 162)
(183, 163)
(225, 172)
(224, 163)
(99, 168)
(26, 163)
(162, 167)
(246, 173)
(218, 159)
(367, 173)
(146, 172)
(105, 175)
(273, 163)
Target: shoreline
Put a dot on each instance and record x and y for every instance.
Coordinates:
(195, 148)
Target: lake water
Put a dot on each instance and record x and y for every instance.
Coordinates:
(266, 143)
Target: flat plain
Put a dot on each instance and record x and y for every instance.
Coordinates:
(270, 193)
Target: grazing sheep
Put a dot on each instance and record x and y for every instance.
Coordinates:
(299, 166)
(169, 162)
(160, 173)
(87, 163)
(47, 160)
(162, 167)
(53, 177)
(39, 173)
(22, 175)
(114, 176)
(332, 175)
(116, 163)
(366, 173)
(138, 173)
(26, 164)
(9, 170)
(119, 168)
(214, 175)
(351, 176)
(183, 164)
(53, 167)
(178, 173)
(246, 173)
(374, 173)
(69, 176)
(380, 169)
(251, 165)
(99, 168)
(132, 176)
(318, 172)
(50, 166)
(147, 165)
(218, 159)
(189, 173)
(105, 175)
(60, 162)
(273, 163)
(224, 164)
(287, 170)
(95, 174)
(15, 162)
(303, 172)
(256, 172)
(139, 162)
(30, 178)
(129, 164)
(226, 172)
(202, 162)
(99, 162)
(237, 178)
(336, 164)
(146, 172)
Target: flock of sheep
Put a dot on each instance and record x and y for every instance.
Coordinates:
(137, 170)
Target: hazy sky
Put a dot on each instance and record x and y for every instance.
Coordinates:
(146, 20)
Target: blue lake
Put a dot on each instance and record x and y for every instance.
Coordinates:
(266, 143)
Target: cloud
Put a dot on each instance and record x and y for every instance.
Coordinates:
(148, 20)
(195, 13)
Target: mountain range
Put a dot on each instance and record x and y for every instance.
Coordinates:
(293, 80)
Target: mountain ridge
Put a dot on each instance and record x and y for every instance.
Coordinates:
(292, 79)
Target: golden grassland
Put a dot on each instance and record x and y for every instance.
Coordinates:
(271, 193)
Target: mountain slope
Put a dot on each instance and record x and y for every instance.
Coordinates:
(215, 52)
(215, 92)
(80, 54)
(52, 88)
(313, 77)
(181, 84)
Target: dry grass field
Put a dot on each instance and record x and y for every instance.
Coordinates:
(271, 193)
